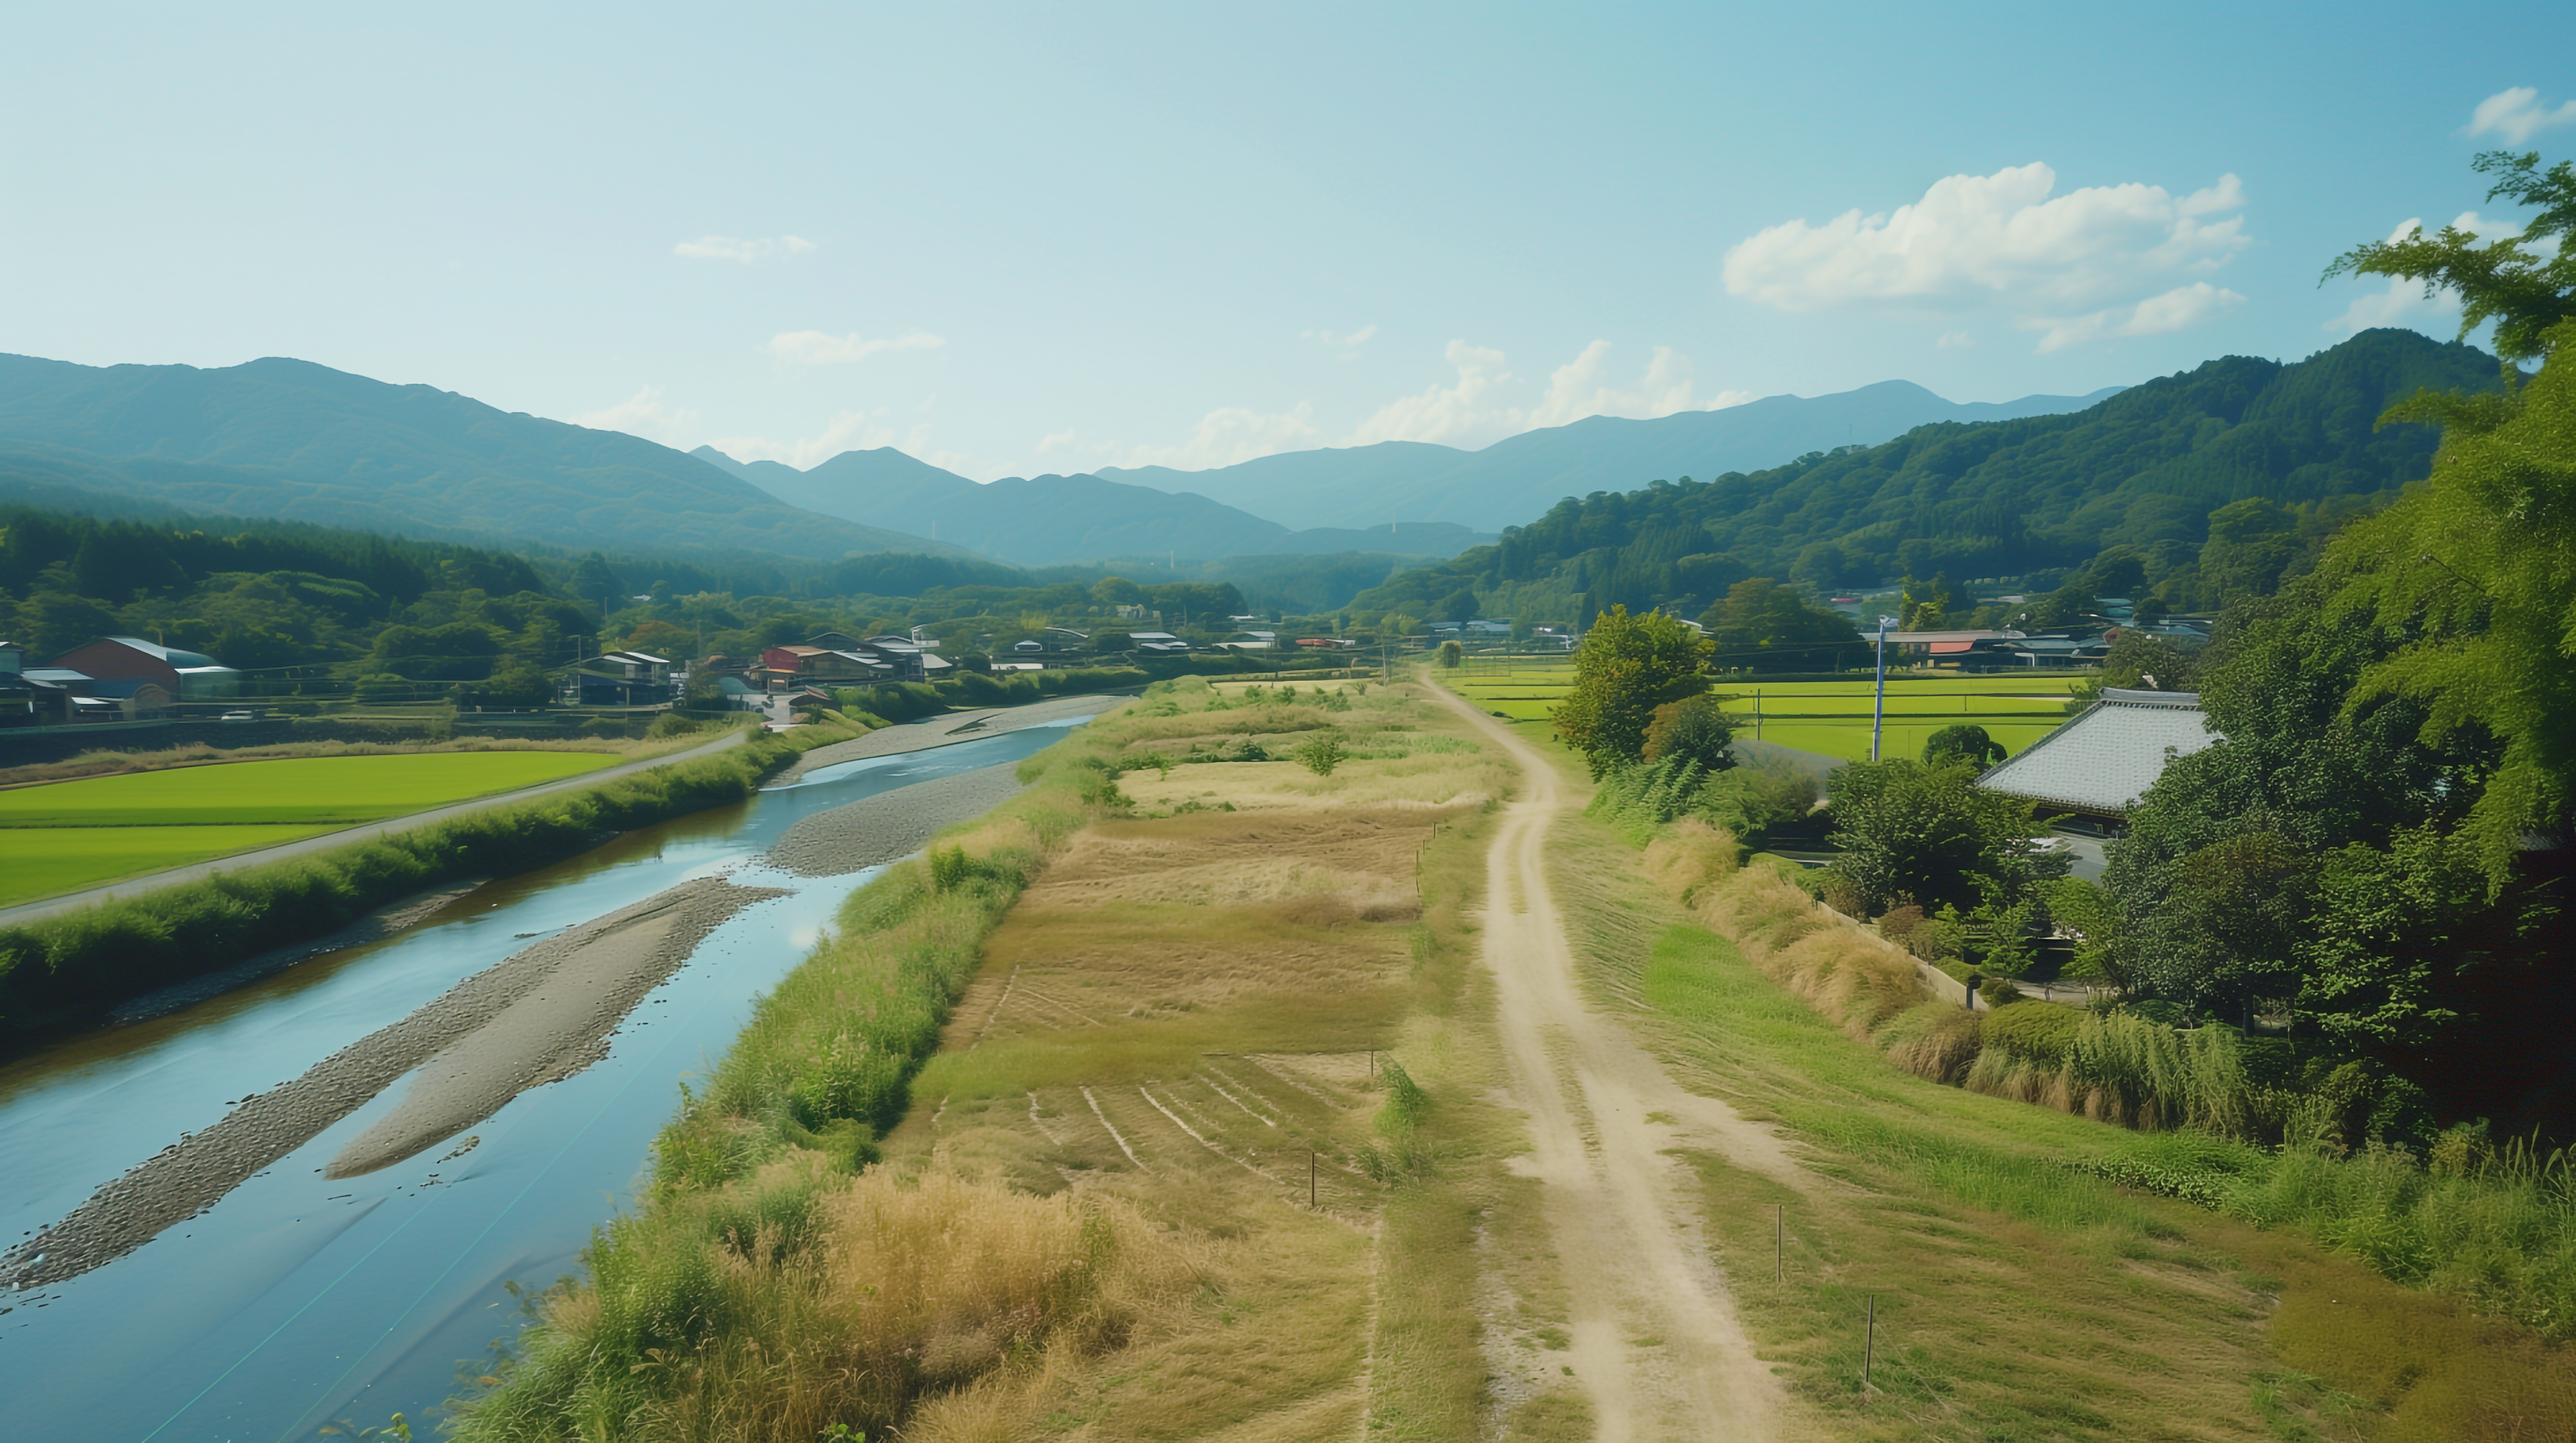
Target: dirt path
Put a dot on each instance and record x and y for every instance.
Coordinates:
(1657, 1344)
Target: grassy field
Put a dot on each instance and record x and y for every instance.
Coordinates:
(61, 836)
(1829, 717)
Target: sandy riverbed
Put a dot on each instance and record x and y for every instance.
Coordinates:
(539, 1015)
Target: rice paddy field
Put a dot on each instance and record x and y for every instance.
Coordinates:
(1828, 717)
(61, 836)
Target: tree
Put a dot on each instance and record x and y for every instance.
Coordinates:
(1625, 668)
(2510, 280)
(1112, 592)
(1451, 654)
(1764, 626)
(1693, 729)
(1963, 744)
(1910, 831)
(2251, 542)
(1459, 605)
(1927, 603)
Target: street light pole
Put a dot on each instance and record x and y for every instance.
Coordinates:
(1878, 712)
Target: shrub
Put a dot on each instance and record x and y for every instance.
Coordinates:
(1320, 753)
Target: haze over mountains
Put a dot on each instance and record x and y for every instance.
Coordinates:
(1518, 478)
(290, 439)
(1047, 520)
(287, 438)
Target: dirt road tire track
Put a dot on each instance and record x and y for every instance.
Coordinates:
(1618, 1208)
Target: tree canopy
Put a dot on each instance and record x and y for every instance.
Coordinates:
(1626, 667)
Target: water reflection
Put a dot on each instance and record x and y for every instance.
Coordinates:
(296, 1300)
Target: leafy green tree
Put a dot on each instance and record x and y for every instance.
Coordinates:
(53, 622)
(1962, 744)
(1111, 592)
(1626, 667)
(1765, 626)
(2389, 926)
(2525, 287)
(2251, 543)
(1451, 654)
(1459, 605)
(1694, 729)
(1928, 834)
(1927, 604)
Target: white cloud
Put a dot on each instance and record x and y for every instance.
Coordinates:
(739, 249)
(1478, 408)
(2176, 309)
(2404, 302)
(848, 431)
(1348, 344)
(2517, 115)
(1228, 436)
(1954, 340)
(646, 415)
(2002, 242)
(815, 348)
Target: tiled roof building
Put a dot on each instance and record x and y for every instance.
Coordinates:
(2099, 764)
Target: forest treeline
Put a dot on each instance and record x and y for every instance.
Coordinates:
(2191, 489)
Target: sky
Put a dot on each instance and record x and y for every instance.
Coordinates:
(1019, 239)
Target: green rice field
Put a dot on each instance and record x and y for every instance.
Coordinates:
(62, 836)
(1828, 717)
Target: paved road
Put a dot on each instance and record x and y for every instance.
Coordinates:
(199, 871)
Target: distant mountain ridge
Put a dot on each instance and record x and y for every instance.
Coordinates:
(291, 439)
(1521, 476)
(1047, 520)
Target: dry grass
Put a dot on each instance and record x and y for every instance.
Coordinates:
(1175, 1021)
(2016, 1296)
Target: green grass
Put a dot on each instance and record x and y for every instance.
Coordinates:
(302, 791)
(1830, 717)
(44, 861)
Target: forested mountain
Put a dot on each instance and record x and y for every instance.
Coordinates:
(2292, 446)
(1050, 520)
(291, 439)
(1522, 475)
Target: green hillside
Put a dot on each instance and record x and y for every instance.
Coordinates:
(2135, 477)
(290, 439)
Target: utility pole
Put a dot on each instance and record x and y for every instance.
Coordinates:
(1878, 713)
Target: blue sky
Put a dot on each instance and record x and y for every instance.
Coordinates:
(1018, 239)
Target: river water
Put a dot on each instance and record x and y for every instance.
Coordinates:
(298, 1303)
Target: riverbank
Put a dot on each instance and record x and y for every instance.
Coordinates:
(538, 1016)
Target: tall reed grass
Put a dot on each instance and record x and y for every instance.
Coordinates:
(805, 1299)
(767, 1288)
(2495, 1228)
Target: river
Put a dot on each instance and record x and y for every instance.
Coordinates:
(299, 1303)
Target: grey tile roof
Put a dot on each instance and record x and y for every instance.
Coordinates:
(2104, 759)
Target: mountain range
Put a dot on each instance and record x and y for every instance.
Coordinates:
(1047, 520)
(2144, 470)
(1520, 477)
(291, 439)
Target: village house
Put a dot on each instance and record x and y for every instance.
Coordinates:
(2092, 770)
(189, 676)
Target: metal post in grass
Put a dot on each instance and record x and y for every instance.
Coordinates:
(1869, 1345)
(1779, 1228)
(1878, 711)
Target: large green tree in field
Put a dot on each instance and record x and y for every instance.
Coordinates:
(1626, 667)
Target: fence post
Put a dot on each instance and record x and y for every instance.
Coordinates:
(1779, 1226)
(1869, 1345)
(1310, 1177)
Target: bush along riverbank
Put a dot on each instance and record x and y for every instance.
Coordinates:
(63, 971)
(732, 1302)
(2494, 1226)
